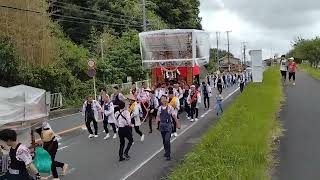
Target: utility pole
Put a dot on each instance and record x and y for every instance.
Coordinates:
(228, 39)
(102, 56)
(144, 15)
(217, 36)
(244, 52)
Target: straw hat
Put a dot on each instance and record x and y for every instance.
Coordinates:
(292, 58)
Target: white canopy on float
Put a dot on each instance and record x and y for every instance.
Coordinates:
(174, 48)
(22, 107)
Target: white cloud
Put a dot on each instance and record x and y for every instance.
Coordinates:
(268, 25)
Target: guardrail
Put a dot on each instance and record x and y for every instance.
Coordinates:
(56, 101)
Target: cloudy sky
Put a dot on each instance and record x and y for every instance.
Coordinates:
(270, 25)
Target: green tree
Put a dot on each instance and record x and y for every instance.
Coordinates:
(9, 62)
(182, 14)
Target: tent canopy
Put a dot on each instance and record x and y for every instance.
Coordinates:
(22, 105)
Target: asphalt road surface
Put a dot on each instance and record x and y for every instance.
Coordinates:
(299, 152)
(97, 159)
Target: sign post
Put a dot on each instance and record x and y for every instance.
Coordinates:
(92, 73)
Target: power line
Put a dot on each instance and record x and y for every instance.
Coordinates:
(71, 17)
(106, 12)
(94, 13)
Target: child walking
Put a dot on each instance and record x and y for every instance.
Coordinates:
(219, 99)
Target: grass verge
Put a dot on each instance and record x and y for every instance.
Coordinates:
(240, 145)
(312, 71)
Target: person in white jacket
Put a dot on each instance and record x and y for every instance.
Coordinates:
(109, 117)
(90, 110)
(135, 110)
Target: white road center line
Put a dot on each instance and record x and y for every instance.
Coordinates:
(172, 140)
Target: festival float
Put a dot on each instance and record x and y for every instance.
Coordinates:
(175, 55)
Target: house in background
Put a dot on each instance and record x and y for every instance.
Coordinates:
(233, 63)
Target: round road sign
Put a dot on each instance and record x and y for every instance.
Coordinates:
(92, 72)
(91, 63)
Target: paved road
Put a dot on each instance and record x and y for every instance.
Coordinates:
(299, 152)
(97, 159)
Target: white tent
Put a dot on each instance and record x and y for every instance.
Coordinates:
(22, 106)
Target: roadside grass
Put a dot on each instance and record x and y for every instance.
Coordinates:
(312, 71)
(240, 145)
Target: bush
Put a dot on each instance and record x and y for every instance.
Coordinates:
(239, 146)
(312, 71)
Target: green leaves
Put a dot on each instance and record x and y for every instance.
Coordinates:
(308, 50)
(9, 64)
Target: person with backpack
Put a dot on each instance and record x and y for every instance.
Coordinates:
(109, 118)
(90, 110)
(165, 117)
(20, 158)
(50, 144)
(206, 93)
(124, 123)
(135, 115)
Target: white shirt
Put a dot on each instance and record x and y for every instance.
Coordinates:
(124, 119)
(135, 114)
(155, 102)
(160, 92)
(95, 107)
(23, 154)
(170, 109)
(110, 112)
(284, 65)
(143, 96)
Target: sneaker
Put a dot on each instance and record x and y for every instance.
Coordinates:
(107, 136)
(294, 84)
(132, 143)
(175, 134)
(197, 119)
(121, 159)
(91, 136)
(127, 156)
(104, 131)
(168, 158)
(114, 136)
(96, 136)
(188, 118)
(142, 138)
(65, 168)
(192, 120)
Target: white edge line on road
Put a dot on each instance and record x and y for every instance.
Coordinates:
(157, 152)
(62, 148)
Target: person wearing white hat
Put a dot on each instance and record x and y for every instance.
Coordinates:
(292, 67)
(193, 100)
(51, 145)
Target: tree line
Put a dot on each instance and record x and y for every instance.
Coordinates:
(47, 43)
(307, 50)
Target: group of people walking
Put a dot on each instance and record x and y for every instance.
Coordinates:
(159, 106)
(288, 67)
